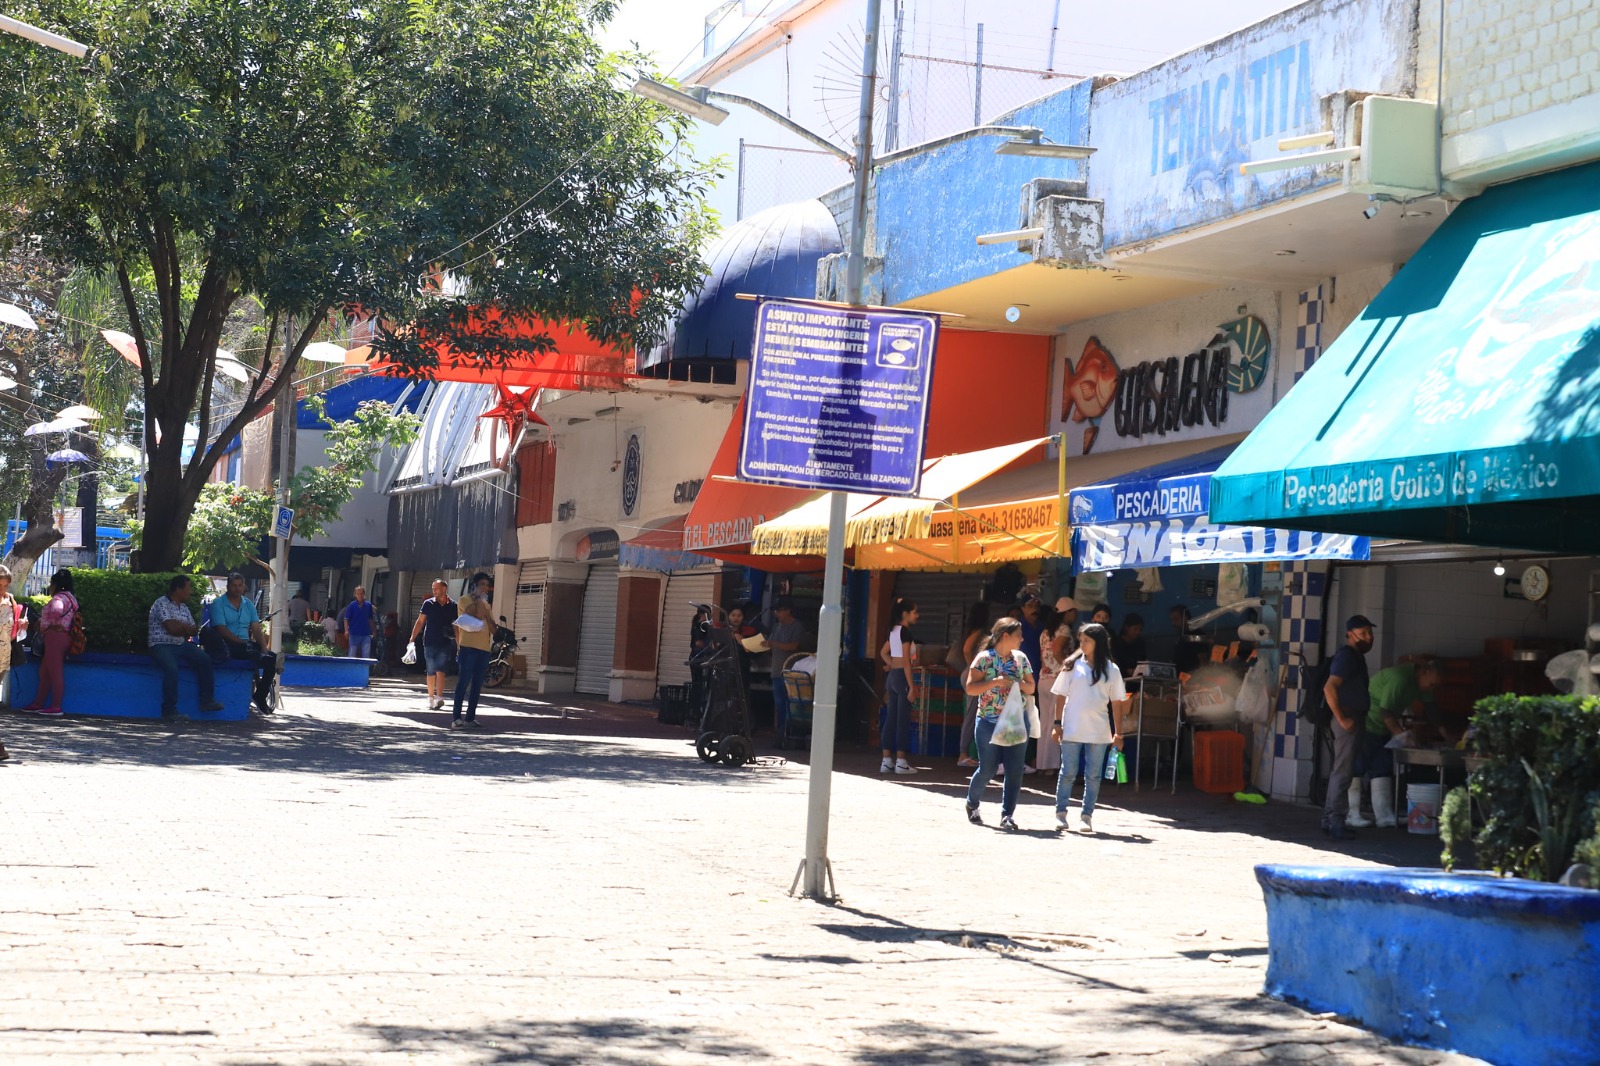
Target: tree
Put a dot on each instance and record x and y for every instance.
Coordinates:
(413, 160)
(230, 520)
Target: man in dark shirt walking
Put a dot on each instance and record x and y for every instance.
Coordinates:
(436, 625)
(1348, 701)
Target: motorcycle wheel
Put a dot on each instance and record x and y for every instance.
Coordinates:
(499, 673)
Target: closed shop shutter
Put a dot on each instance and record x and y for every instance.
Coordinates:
(597, 635)
(942, 600)
(528, 616)
(677, 612)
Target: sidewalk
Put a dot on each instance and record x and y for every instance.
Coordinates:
(350, 882)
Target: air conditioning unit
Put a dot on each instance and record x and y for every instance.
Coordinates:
(1399, 140)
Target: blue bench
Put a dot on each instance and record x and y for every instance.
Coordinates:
(1502, 969)
(325, 671)
(125, 685)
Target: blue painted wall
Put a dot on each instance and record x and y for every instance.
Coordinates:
(930, 207)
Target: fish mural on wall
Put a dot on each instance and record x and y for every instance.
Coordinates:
(1088, 389)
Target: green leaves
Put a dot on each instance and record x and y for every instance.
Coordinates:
(1541, 786)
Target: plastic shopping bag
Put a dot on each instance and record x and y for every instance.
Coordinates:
(410, 657)
(1254, 702)
(1011, 728)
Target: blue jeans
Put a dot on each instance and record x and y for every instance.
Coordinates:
(1376, 758)
(436, 658)
(1094, 756)
(360, 647)
(897, 724)
(780, 703)
(167, 657)
(474, 666)
(990, 757)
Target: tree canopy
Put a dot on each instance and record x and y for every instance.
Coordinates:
(410, 160)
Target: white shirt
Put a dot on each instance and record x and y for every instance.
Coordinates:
(1084, 714)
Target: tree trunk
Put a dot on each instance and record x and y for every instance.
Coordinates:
(39, 511)
(168, 504)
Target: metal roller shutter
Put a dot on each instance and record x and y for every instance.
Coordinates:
(677, 612)
(942, 600)
(528, 611)
(597, 633)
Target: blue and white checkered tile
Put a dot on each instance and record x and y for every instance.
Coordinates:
(1308, 330)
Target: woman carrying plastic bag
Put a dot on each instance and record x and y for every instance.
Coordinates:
(1002, 679)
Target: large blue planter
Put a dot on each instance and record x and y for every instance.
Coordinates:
(325, 671)
(123, 685)
(1506, 970)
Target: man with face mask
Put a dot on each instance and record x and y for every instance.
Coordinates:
(1349, 701)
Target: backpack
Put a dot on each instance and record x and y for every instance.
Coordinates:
(77, 639)
(1314, 708)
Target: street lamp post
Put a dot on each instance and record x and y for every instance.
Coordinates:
(44, 37)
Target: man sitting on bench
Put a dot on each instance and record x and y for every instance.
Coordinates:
(238, 623)
(170, 627)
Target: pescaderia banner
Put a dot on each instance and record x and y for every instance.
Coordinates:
(1187, 540)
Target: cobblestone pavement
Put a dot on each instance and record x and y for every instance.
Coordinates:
(350, 882)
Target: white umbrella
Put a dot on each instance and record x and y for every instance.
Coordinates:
(323, 352)
(7, 383)
(58, 425)
(122, 450)
(12, 315)
(232, 368)
(80, 410)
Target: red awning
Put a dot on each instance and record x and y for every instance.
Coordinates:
(574, 361)
(725, 512)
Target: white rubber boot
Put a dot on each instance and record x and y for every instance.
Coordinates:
(1354, 819)
(1383, 802)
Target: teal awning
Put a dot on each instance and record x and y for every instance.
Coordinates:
(1463, 405)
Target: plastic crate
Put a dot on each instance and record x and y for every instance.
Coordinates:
(1219, 761)
(672, 704)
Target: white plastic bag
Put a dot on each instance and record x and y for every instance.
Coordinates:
(1011, 728)
(1032, 707)
(1254, 702)
(410, 657)
(468, 624)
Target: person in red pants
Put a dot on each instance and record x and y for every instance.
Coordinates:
(55, 629)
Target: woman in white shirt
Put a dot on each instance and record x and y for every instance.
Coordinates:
(898, 655)
(1085, 691)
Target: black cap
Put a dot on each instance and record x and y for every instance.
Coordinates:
(782, 603)
(1358, 621)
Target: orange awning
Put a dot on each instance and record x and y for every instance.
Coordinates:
(501, 349)
(726, 511)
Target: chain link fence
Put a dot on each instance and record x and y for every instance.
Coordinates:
(769, 175)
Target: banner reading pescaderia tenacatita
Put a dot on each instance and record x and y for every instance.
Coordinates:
(838, 397)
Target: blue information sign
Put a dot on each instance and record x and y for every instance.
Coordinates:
(283, 522)
(838, 397)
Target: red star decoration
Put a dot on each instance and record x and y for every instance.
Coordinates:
(516, 410)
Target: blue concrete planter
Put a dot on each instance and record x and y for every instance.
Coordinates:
(129, 686)
(325, 671)
(1506, 970)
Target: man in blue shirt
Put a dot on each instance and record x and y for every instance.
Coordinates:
(358, 619)
(1349, 700)
(436, 626)
(238, 623)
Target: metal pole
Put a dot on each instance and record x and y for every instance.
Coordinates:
(830, 624)
(977, 83)
(287, 409)
(738, 209)
(891, 127)
(1055, 26)
(44, 37)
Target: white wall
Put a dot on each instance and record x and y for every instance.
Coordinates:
(364, 521)
(1450, 609)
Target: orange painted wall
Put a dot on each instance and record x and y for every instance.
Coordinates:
(988, 389)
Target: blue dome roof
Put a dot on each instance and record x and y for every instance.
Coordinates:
(771, 253)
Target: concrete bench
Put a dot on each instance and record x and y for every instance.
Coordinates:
(125, 685)
(325, 671)
(1503, 969)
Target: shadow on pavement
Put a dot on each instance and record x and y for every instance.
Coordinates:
(520, 737)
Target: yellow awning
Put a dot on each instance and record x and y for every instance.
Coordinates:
(1015, 515)
(874, 519)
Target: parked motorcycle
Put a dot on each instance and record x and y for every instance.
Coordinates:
(501, 649)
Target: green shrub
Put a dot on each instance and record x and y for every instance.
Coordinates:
(116, 606)
(314, 647)
(1541, 784)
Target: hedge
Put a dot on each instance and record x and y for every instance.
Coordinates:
(116, 606)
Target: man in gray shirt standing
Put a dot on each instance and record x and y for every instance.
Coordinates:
(785, 637)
